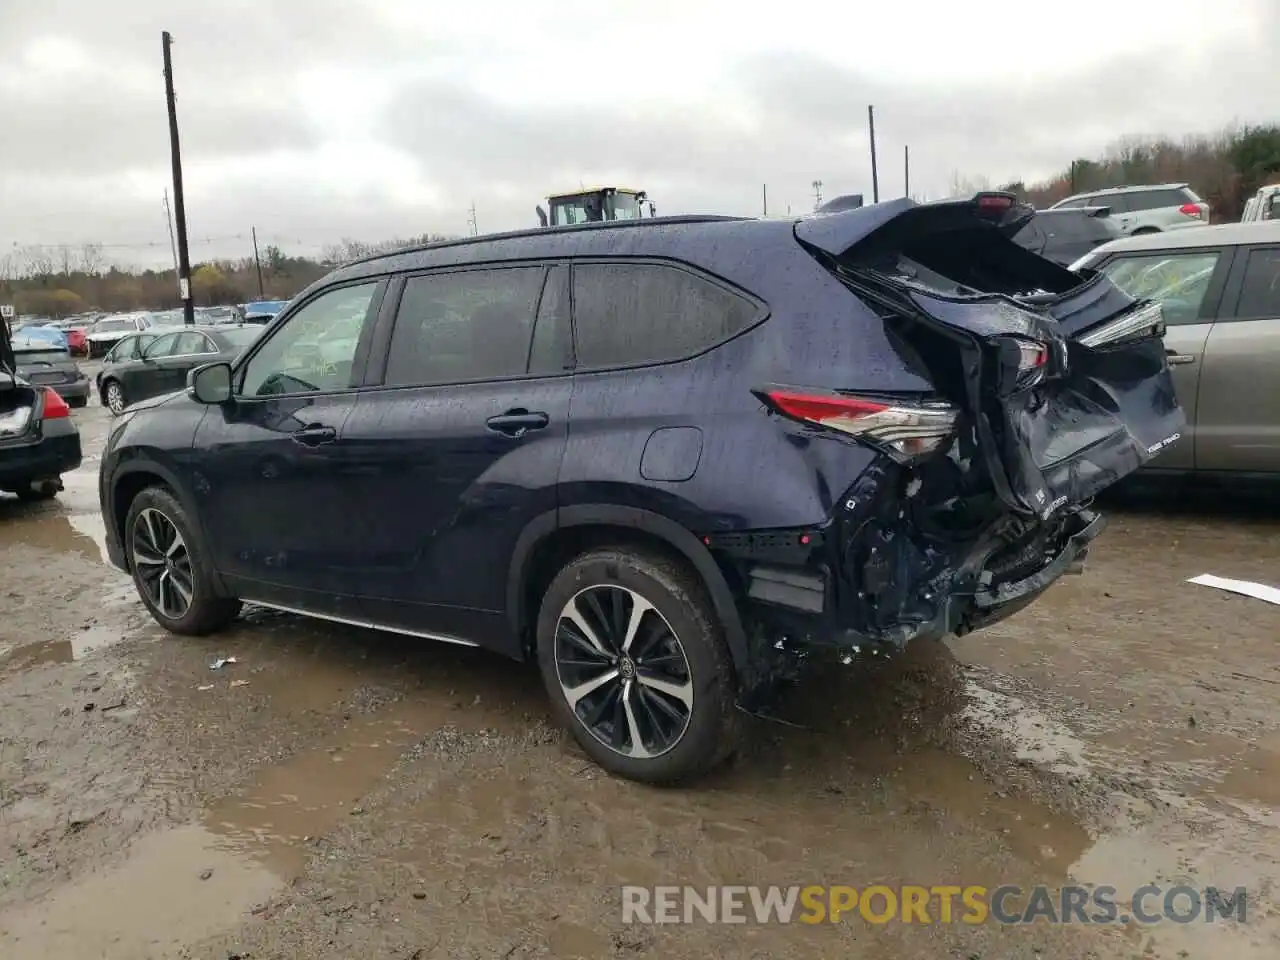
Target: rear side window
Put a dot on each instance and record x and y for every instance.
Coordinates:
(1179, 281)
(464, 325)
(634, 313)
(1260, 291)
(1076, 227)
(1156, 199)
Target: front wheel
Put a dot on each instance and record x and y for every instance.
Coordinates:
(634, 660)
(173, 576)
(113, 396)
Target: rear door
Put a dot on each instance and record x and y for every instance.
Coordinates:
(191, 349)
(1188, 285)
(1239, 416)
(460, 435)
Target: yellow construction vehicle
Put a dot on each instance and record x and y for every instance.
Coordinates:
(594, 205)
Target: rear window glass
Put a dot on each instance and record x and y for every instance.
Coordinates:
(1156, 199)
(1179, 281)
(38, 355)
(632, 313)
(241, 337)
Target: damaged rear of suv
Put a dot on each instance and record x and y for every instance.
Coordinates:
(1047, 387)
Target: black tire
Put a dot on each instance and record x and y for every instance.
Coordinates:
(109, 385)
(29, 494)
(1145, 230)
(206, 612)
(678, 596)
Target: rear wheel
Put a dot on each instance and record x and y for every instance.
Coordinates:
(113, 396)
(1145, 230)
(635, 662)
(173, 576)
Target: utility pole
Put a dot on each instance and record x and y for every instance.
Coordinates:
(475, 229)
(173, 248)
(875, 178)
(906, 170)
(179, 205)
(257, 261)
(764, 200)
(817, 194)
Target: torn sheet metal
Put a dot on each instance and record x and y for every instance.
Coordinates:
(1259, 591)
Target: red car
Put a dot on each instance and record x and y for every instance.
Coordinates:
(76, 341)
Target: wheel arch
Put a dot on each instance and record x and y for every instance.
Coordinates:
(541, 548)
(130, 479)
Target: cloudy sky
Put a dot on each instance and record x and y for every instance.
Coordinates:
(318, 119)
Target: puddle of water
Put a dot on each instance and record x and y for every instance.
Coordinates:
(92, 525)
(42, 652)
(310, 794)
(1034, 736)
(245, 848)
(149, 906)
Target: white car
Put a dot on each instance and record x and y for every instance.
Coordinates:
(108, 331)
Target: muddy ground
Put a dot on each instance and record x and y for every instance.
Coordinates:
(339, 793)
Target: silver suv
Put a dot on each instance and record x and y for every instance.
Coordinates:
(1149, 209)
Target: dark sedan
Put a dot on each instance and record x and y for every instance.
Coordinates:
(45, 364)
(161, 366)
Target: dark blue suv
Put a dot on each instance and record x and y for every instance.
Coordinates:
(662, 457)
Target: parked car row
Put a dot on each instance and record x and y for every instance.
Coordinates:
(145, 365)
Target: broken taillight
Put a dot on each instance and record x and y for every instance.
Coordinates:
(903, 430)
(1146, 321)
(54, 406)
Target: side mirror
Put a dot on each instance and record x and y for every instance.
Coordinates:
(542, 216)
(210, 383)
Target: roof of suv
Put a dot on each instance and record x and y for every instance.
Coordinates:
(1113, 191)
(652, 236)
(1222, 234)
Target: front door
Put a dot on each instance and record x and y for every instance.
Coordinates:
(273, 468)
(460, 447)
(1188, 284)
(1240, 388)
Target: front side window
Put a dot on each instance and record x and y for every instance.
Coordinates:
(1179, 281)
(464, 325)
(294, 361)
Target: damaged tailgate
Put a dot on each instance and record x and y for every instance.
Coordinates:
(1064, 377)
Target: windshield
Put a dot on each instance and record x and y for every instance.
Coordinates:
(110, 326)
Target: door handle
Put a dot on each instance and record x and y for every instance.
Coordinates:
(315, 434)
(1178, 359)
(517, 422)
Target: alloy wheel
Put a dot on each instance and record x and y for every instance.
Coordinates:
(115, 397)
(162, 563)
(623, 671)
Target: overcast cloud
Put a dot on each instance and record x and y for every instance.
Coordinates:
(319, 119)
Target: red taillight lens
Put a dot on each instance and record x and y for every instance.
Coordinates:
(903, 430)
(1193, 210)
(54, 406)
